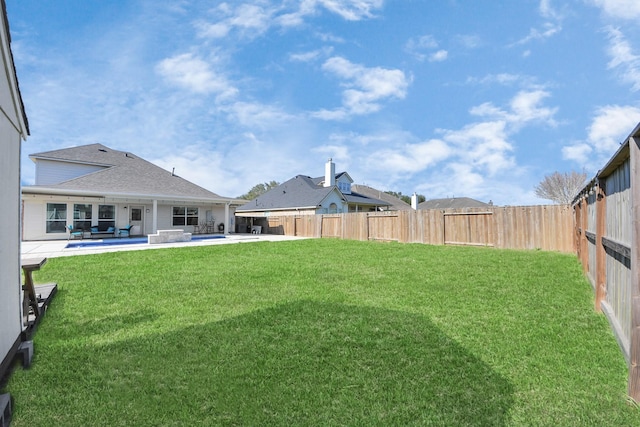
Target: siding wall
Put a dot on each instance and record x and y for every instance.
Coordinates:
(13, 128)
(54, 172)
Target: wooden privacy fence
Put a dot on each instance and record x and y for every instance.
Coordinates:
(513, 227)
(606, 238)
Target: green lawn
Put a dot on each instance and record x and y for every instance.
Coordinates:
(322, 332)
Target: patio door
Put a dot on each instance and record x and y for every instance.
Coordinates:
(136, 219)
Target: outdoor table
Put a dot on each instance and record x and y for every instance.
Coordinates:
(29, 266)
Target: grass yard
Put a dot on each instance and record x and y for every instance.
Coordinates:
(322, 332)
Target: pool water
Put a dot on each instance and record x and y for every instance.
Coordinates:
(128, 241)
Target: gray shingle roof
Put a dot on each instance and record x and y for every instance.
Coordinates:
(371, 192)
(124, 173)
(303, 192)
(299, 192)
(452, 203)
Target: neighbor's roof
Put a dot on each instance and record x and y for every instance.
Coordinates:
(123, 174)
(302, 192)
(299, 192)
(394, 202)
(452, 203)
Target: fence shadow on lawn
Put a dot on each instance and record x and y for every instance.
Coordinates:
(298, 363)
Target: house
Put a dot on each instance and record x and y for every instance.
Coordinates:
(453, 203)
(395, 204)
(96, 186)
(303, 195)
(13, 129)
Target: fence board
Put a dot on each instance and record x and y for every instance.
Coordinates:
(607, 234)
(512, 227)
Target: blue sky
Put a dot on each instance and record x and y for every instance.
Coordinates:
(474, 98)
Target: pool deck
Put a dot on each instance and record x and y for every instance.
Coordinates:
(57, 248)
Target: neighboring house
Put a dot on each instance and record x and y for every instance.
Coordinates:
(453, 203)
(13, 129)
(94, 185)
(303, 195)
(395, 204)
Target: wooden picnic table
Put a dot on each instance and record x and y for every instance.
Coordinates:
(29, 265)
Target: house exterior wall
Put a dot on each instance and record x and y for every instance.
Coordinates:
(13, 127)
(50, 172)
(335, 198)
(344, 184)
(10, 288)
(35, 215)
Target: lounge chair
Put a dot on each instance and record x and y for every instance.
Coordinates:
(125, 231)
(75, 232)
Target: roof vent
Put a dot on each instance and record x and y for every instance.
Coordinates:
(102, 149)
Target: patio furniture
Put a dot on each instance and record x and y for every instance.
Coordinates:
(75, 232)
(95, 231)
(36, 298)
(125, 231)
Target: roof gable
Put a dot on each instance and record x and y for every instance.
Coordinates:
(386, 198)
(123, 173)
(299, 192)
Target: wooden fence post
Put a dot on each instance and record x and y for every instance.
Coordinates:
(634, 339)
(583, 235)
(601, 255)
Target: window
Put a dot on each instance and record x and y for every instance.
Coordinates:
(56, 217)
(106, 216)
(344, 187)
(185, 215)
(333, 208)
(82, 216)
(136, 214)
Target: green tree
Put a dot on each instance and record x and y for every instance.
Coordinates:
(259, 189)
(405, 198)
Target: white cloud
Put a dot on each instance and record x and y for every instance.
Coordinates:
(351, 10)
(469, 41)
(195, 74)
(623, 59)
(251, 19)
(257, 115)
(610, 126)
(625, 9)
(311, 55)
(548, 30)
(423, 48)
(483, 145)
(439, 56)
(248, 19)
(525, 107)
(339, 154)
(365, 87)
(547, 10)
(578, 152)
(410, 158)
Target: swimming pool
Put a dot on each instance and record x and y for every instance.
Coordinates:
(128, 241)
